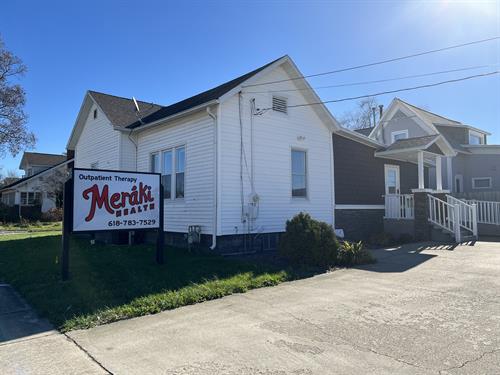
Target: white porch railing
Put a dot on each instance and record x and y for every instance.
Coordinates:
(487, 212)
(467, 214)
(443, 214)
(399, 206)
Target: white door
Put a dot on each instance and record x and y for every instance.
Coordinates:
(392, 198)
(392, 183)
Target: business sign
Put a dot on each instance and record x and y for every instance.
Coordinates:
(112, 200)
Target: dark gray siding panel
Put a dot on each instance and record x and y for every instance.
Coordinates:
(359, 175)
(359, 224)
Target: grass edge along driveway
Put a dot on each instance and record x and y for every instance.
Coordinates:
(111, 283)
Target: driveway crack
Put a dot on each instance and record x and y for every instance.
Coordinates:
(478, 358)
(92, 358)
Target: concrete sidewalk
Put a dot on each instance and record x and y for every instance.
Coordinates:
(30, 345)
(418, 310)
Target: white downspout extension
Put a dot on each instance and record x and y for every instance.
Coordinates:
(214, 224)
(332, 179)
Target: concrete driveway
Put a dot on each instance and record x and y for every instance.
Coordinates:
(417, 311)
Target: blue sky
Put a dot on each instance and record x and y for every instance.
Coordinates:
(164, 51)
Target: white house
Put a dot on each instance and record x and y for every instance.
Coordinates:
(31, 189)
(238, 160)
(474, 170)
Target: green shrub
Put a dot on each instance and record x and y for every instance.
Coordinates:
(309, 242)
(353, 253)
(381, 239)
(54, 214)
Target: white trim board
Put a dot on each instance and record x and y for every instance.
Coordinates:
(360, 207)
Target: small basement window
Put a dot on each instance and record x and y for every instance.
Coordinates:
(481, 183)
(280, 104)
(95, 114)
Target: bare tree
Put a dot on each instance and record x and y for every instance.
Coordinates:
(14, 134)
(53, 185)
(362, 115)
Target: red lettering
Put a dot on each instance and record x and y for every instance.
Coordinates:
(97, 200)
(118, 201)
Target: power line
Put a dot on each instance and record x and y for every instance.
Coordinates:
(376, 81)
(379, 62)
(391, 91)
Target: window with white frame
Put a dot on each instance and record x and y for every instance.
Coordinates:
(173, 168)
(154, 165)
(481, 182)
(180, 163)
(166, 174)
(476, 138)
(400, 134)
(299, 173)
(30, 198)
(280, 104)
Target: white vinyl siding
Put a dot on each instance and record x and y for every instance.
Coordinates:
(274, 137)
(196, 134)
(127, 152)
(99, 142)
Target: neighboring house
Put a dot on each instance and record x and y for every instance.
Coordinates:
(32, 189)
(237, 160)
(475, 169)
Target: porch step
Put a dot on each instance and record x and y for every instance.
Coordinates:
(442, 235)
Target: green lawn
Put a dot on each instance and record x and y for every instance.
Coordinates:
(110, 283)
(32, 227)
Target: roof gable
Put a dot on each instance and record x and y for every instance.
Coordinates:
(120, 111)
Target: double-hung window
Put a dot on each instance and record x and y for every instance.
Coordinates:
(173, 169)
(180, 163)
(166, 174)
(299, 173)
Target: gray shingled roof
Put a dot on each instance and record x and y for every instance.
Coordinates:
(365, 131)
(121, 111)
(411, 143)
(42, 159)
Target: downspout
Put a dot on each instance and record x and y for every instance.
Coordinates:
(332, 179)
(135, 145)
(214, 224)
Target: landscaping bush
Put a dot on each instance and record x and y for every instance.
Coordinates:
(381, 239)
(353, 253)
(54, 214)
(309, 242)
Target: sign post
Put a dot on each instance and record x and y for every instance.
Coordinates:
(104, 200)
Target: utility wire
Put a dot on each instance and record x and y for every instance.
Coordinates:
(391, 91)
(378, 62)
(377, 81)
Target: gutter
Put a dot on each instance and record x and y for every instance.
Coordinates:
(214, 223)
(169, 118)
